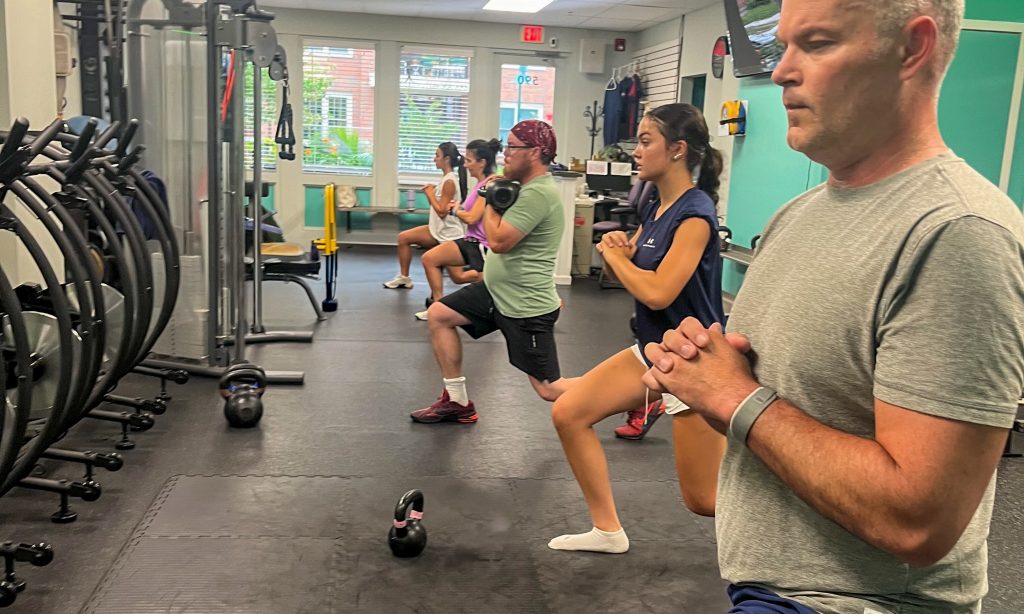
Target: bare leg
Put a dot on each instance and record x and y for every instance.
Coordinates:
(406, 239)
(445, 254)
(549, 391)
(458, 276)
(443, 322)
(698, 450)
(609, 388)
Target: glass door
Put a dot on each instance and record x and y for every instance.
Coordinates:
(527, 92)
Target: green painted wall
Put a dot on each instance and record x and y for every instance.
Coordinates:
(974, 103)
(765, 171)
(314, 208)
(973, 114)
(1016, 190)
(1006, 10)
(995, 10)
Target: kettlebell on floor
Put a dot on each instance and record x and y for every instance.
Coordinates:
(407, 536)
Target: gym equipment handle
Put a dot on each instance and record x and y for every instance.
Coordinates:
(107, 135)
(126, 138)
(45, 137)
(14, 139)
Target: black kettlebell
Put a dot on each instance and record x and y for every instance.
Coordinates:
(500, 193)
(243, 409)
(724, 237)
(243, 375)
(407, 536)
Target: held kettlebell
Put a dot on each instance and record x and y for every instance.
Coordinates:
(407, 536)
(500, 194)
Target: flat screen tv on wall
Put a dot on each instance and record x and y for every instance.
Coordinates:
(753, 25)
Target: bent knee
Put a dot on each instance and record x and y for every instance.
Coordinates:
(702, 504)
(440, 315)
(564, 413)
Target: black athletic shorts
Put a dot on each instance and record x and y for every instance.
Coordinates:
(472, 253)
(530, 341)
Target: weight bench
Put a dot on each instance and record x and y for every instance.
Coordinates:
(284, 262)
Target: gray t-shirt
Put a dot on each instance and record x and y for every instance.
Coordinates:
(910, 290)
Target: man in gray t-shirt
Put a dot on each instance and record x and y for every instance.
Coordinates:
(874, 358)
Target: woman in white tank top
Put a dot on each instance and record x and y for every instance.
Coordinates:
(442, 225)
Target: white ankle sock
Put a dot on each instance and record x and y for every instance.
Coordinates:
(594, 540)
(456, 388)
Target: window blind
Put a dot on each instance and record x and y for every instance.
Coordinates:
(337, 109)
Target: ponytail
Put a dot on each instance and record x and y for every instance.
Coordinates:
(710, 172)
(463, 181)
(451, 151)
(684, 122)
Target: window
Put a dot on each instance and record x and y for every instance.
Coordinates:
(512, 115)
(337, 109)
(321, 116)
(527, 92)
(268, 119)
(433, 108)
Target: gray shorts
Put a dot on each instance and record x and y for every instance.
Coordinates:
(672, 404)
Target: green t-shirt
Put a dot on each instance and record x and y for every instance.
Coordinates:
(522, 281)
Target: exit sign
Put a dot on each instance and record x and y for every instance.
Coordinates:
(532, 34)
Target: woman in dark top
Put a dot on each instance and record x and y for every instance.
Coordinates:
(673, 269)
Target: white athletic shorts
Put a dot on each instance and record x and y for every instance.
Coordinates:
(672, 404)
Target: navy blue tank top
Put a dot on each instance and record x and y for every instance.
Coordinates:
(702, 295)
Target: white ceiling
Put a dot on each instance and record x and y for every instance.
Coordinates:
(626, 15)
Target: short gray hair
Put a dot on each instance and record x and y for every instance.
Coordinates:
(893, 15)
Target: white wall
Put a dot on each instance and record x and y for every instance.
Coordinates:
(27, 85)
(573, 88)
(489, 43)
(27, 89)
(665, 31)
(700, 29)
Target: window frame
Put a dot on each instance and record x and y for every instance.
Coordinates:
(511, 106)
(421, 89)
(319, 44)
(326, 110)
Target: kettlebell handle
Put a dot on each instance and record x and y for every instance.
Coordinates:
(414, 499)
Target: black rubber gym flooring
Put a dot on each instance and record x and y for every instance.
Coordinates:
(293, 516)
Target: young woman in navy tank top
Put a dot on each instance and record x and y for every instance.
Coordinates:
(673, 268)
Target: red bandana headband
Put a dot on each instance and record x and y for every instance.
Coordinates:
(536, 133)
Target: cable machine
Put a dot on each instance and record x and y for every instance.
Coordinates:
(167, 90)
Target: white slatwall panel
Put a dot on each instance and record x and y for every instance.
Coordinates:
(659, 69)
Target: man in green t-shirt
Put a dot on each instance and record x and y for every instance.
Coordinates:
(517, 295)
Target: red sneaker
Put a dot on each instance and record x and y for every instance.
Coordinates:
(640, 420)
(446, 410)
